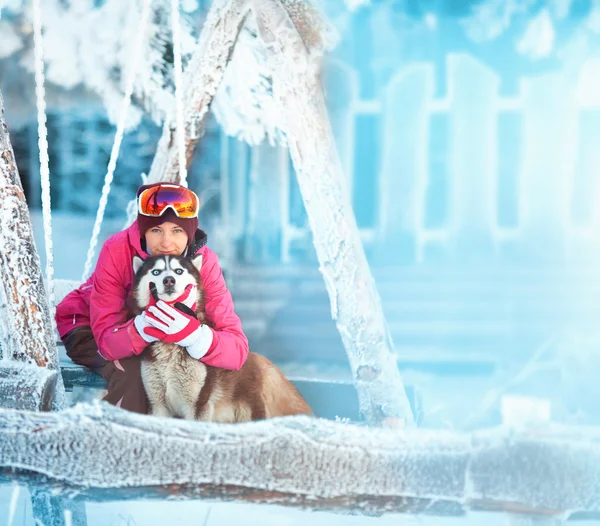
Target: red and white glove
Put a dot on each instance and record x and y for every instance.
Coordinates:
(141, 321)
(178, 324)
(141, 324)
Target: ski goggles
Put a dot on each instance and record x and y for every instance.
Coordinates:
(153, 202)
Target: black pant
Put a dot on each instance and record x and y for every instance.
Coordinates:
(125, 387)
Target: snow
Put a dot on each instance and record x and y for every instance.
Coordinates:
(93, 45)
(538, 39)
(148, 513)
(27, 386)
(244, 104)
(96, 447)
(11, 42)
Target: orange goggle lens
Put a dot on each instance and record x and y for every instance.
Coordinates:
(154, 201)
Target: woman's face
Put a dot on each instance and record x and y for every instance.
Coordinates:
(166, 239)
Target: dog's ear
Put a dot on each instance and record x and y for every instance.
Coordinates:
(197, 262)
(137, 263)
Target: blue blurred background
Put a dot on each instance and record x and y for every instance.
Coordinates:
(469, 133)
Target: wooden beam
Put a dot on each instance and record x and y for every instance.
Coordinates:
(204, 73)
(200, 82)
(25, 312)
(355, 303)
(28, 386)
(550, 472)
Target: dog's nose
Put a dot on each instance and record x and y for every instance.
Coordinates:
(169, 281)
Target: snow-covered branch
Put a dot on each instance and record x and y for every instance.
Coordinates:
(244, 105)
(356, 306)
(102, 452)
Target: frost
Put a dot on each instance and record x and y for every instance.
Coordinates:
(490, 19)
(94, 46)
(11, 41)
(538, 40)
(304, 461)
(27, 386)
(353, 5)
(201, 80)
(26, 326)
(244, 104)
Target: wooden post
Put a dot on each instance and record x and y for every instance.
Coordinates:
(28, 336)
(200, 82)
(206, 68)
(355, 303)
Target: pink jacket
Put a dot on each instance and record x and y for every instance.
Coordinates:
(100, 302)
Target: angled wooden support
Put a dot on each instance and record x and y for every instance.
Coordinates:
(355, 303)
(201, 80)
(29, 374)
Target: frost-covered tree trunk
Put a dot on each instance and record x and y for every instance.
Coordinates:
(31, 338)
(29, 377)
(355, 303)
(200, 82)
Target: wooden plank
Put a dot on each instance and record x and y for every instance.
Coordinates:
(328, 399)
(551, 471)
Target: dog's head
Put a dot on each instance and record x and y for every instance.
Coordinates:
(165, 277)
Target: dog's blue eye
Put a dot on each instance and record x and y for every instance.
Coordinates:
(155, 272)
(178, 271)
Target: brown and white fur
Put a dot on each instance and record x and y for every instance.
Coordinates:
(178, 385)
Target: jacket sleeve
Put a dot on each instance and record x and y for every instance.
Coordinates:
(116, 336)
(229, 348)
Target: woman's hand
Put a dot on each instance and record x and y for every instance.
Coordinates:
(179, 324)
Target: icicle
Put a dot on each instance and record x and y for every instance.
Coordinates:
(114, 154)
(43, 149)
(180, 129)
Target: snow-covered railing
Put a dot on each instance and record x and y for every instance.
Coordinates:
(99, 452)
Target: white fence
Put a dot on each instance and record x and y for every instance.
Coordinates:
(472, 175)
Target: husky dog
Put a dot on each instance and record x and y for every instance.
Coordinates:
(178, 385)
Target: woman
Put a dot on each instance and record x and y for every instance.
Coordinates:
(92, 320)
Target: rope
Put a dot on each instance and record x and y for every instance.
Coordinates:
(114, 154)
(43, 150)
(178, 69)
